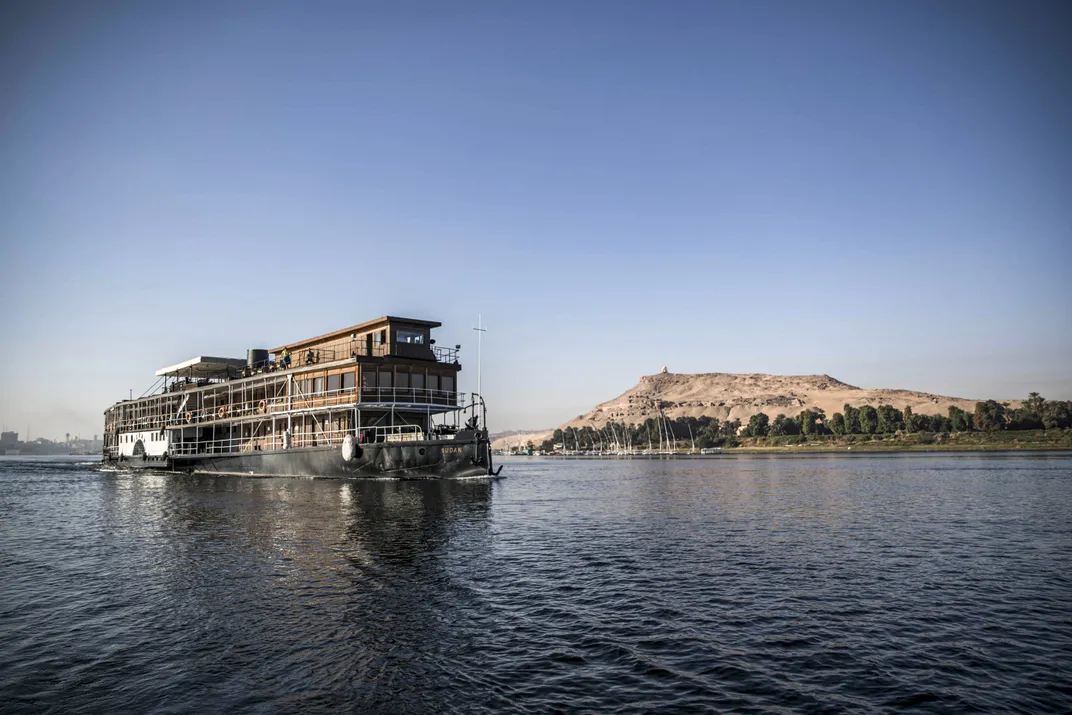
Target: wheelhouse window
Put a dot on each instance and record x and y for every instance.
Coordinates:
(433, 381)
(334, 383)
(413, 337)
(368, 378)
(448, 383)
(402, 379)
(416, 380)
(385, 378)
(348, 381)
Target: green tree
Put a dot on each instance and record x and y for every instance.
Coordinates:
(807, 421)
(959, 420)
(920, 423)
(758, 425)
(782, 426)
(907, 415)
(730, 428)
(708, 436)
(852, 420)
(868, 419)
(989, 416)
(821, 426)
(1035, 405)
(1057, 415)
(837, 423)
(890, 419)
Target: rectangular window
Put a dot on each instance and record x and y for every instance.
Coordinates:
(433, 381)
(334, 383)
(348, 381)
(385, 378)
(402, 379)
(413, 337)
(448, 383)
(318, 386)
(368, 378)
(417, 380)
(377, 337)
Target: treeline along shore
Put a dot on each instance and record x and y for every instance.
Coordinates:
(1037, 424)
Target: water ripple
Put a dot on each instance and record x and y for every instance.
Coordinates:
(834, 584)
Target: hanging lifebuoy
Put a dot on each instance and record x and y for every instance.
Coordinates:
(262, 406)
(189, 418)
(221, 412)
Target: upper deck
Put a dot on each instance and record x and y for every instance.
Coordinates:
(388, 361)
(388, 338)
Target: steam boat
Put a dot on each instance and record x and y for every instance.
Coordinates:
(375, 399)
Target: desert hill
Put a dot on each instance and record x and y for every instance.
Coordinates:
(728, 396)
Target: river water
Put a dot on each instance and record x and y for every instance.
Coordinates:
(745, 584)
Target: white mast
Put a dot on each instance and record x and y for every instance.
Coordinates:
(480, 330)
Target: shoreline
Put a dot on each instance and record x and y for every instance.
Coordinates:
(783, 452)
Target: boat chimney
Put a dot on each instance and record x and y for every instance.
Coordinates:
(256, 357)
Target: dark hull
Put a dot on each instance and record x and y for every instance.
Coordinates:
(464, 456)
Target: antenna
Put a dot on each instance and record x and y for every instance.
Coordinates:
(480, 330)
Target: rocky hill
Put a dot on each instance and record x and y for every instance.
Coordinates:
(728, 396)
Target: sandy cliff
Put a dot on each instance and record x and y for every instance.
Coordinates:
(727, 396)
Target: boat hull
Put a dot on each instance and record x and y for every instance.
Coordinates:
(466, 455)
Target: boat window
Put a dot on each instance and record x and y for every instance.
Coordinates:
(402, 379)
(334, 383)
(368, 378)
(417, 380)
(413, 337)
(318, 385)
(385, 378)
(377, 337)
(348, 380)
(433, 381)
(448, 383)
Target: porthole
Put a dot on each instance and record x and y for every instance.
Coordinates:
(421, 451)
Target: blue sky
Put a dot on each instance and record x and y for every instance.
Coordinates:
(878, 191)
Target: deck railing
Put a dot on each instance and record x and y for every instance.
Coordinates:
(282, 404)
(231, 445)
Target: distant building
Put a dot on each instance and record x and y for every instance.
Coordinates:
(9, 440)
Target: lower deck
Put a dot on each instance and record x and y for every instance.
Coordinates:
(467, 453)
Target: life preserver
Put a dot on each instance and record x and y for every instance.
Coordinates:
(221, 412)
(262, 406)
(189, 418)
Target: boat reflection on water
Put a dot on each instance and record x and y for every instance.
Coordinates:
(265, 576)
(411, 522)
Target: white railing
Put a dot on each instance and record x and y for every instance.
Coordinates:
(297, 402)
(231, 445)
(395, 433)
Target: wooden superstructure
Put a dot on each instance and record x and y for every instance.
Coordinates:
(382, 381)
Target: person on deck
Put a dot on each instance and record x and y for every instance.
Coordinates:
(284, 358)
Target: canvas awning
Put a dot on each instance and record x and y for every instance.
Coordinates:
(203, 366)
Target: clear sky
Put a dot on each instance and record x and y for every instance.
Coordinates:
(878, 191)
